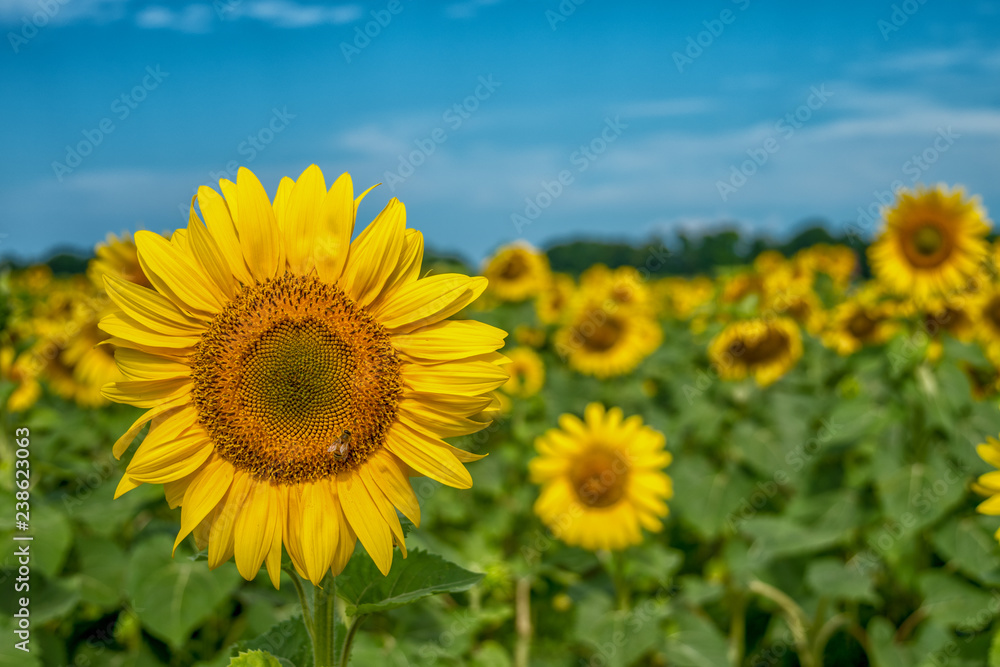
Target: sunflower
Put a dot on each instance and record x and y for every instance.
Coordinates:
(116, 256)
(602, 479)
(860, 321)
(517, 272)
(989, 484)
(933, 242)
(602, 340)
(984, 381)
(551, 302)
(763, 348)
(985, 314)
(294, 378)
(623, 286)
(684, 297)
(527, 373)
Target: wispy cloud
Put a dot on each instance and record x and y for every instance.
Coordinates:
(191, 19)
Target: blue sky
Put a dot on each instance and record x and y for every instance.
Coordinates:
(490, 104)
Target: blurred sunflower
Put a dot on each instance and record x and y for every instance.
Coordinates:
(527, 373)
(551, 302)
(933, 242)
(765, 349)
(517, 272)
(294, 378)
(984, 381)
(623, 286)
(985, 314)
(683, 297)
(602, 479)
(857, 322)
(606, 342)
(116, 256)
(989, 483)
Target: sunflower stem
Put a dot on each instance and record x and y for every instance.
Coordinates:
(345, 654)
(307, 617)
(325, 623)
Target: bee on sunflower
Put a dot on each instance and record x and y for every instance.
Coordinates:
(295, 378)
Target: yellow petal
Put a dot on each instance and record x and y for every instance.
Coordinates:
(302, 219)
(407, 269)
(255, 527)
(418, 452)
(203, 494)
(319, 530)
(147, 393)
(150, 308)
(120, 325)
(175, 276)
(221, 541)
(122, 445)
(281, 200)
(375, 254)
(208, 254)
(450, 340)
(137, 365)
(385, 507)
(467, 378)
(258, 229)
(364, 517)
(336, 227)
(428, 300)
(220, 225)
(386, 472)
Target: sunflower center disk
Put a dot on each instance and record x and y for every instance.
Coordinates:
(600, 478)
(294, 383)
(604, 336)
(928, 245)
(765, 347)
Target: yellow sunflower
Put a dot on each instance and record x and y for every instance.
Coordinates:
(984, 309)
(295, 379)
(763, 348)
(623, 286)
(551, 302)
(517, 272)
(989, 484)
(116, 256)
(527, 373)
(933, 242)
(606, 341)
(602, 479)
(860, 321)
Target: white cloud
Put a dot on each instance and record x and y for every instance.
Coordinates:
(192, 18)
(288, 14)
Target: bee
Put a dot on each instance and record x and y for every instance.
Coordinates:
(341, 446)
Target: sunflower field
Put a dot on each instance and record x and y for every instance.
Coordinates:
(275, 437)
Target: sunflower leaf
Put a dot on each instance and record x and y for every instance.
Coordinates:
(418, 576)
(257, 659)
(288, 641)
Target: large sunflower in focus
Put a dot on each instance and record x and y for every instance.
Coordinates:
(517, 272)
(933, 242)
(295, 379)
(765, 349)
(602, 479)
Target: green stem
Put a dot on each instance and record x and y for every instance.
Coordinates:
(794, 616)
(737, 628)
(324, 623)
(307, 618)
(345, 654)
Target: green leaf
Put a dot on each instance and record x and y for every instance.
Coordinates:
(288, 640)
(778, 537)
(953, 602)
(174, 596)
(833, 578)
(258, 659)
(419, 575)
(53, 537)
(102, 569)
(967, 546)
(694, 641)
